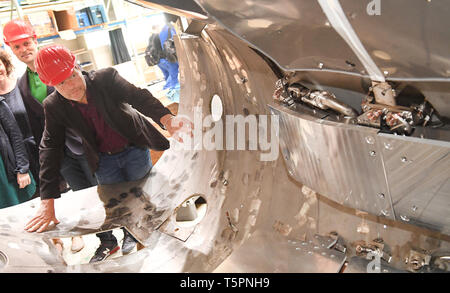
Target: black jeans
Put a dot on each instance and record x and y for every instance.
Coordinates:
(75, 170)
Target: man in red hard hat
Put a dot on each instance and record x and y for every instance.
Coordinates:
(96, 105)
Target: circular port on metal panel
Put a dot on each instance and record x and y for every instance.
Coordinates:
(3, 260)
(191, 211)
(216, 108)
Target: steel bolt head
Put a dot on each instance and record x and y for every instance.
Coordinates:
(385, 213)
(404, 218)
(370, 140)
(388, 146)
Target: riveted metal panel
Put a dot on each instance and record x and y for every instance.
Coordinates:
(340, 161)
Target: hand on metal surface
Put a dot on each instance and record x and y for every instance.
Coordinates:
(23, 180)
(177, 125)
(43, 218)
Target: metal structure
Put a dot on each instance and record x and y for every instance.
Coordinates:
(361, 183)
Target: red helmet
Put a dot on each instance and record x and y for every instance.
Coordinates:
(54, 64)
(17, 29)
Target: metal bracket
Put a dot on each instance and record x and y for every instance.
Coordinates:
(332, 241)
(417, 260)
(376, 246)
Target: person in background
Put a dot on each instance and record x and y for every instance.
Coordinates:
(169, 63)
(26, 122)
(26, 104)
(17, 184)
(107, 112)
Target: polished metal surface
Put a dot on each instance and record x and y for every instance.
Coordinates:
(282, 255)
(186, 8)
(404, 48)
(299, 36)
(402, 178)
(340, 22)
(277, 27)
(338, 160)
(296, 34)
(418, 176)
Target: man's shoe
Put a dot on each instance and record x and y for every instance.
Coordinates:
(104, 250)
(128, 243)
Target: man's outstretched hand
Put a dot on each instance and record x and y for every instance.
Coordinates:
(176, 125)
(43, 218)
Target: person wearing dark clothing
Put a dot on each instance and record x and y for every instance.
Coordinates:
(21, 38)
(169, 64)
(161, 51)
(168, 67)
(17, 185)
(107, 113)
(14, 100)
(74, 169)
(16, 182)
(26, 105)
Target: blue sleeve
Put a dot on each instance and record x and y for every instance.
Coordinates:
(163, 35)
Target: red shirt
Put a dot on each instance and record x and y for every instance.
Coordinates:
(108, 140)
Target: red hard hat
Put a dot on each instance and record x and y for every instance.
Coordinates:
(17, 29)
(54, 64)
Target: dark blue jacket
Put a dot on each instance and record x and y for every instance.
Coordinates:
(34, 109)
(12, 148)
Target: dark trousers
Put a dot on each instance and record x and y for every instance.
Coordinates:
(33, 157)
(131, 164)
(75, 170)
